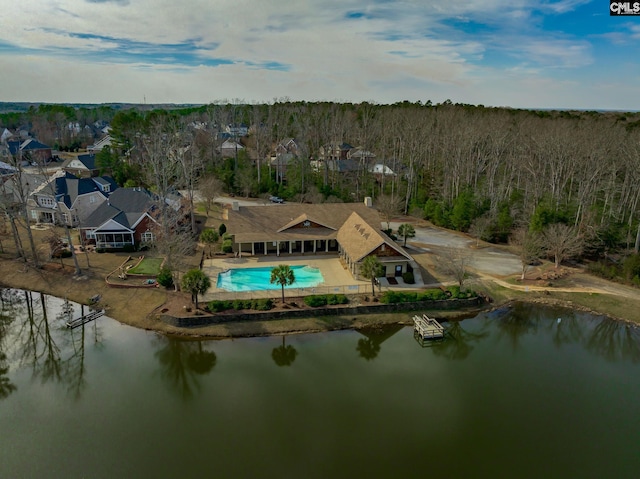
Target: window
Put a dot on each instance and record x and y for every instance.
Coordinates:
(92, 199)
(46, 202)
(106, 188)
(65, 218)
(147, 237)
(90, 234)
(34, 215)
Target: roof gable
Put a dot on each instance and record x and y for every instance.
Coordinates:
(359, 239)
(304, 221)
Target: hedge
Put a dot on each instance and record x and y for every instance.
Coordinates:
(238, 304)
(317, 300)
(390, 297)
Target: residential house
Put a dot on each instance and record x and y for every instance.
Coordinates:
(83, 166)
(125, 220)
(30, 150)
(380, 170)
(236, 131)
(350, 230)
(66, 199)
(230, 148)
(99, 145)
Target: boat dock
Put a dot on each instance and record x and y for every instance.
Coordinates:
(74, 323)
(426, 328)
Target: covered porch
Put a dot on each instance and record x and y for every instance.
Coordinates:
(107, 240)
(294, 246)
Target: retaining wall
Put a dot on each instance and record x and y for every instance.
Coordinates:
(346, 310)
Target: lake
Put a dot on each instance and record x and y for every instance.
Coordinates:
(519, 392)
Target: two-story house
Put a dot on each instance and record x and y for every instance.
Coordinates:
(66, 199)
(125, 220)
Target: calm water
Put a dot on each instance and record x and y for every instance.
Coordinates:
(256, 279)
(517, 394)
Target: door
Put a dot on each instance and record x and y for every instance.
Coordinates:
(398, 270)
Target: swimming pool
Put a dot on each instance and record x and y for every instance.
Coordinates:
(257, 279)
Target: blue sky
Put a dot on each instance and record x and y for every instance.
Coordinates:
(518, 53)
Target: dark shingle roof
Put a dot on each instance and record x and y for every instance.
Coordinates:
(125, 206)
(89, 161)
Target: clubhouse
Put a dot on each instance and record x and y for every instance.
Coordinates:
(350, 230)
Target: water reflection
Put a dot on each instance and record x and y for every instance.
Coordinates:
(613, 340)
(459, 342)
(183, 362)
(369, 347)
(7, 310)
(284, 355)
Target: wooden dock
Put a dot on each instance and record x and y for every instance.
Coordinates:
(426, 328)
(74, 323)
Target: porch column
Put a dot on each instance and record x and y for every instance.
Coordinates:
(302, 246)
(265, 248)
(315, 243)
(290, 247)
(277, 248)
(253, 248)
(326, 246)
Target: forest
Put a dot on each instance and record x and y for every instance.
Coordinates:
(500, 174)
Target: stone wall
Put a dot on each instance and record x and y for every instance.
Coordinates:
(346, 310)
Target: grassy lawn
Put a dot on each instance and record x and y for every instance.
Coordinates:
(148, 266)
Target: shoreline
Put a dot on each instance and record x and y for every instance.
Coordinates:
(118, 304)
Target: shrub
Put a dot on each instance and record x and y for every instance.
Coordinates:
(315, 300)
(263, 304)
(227, 246)
(100, 250)
(128, 248)
(165, 277)
(604, 270)
(454, 291)
(408, 277)
(432, 295)
(390, 297)
(239, 304)
(332, 299)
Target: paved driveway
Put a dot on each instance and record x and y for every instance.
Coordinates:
(489, 260)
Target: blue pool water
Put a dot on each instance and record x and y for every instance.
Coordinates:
(257, 279)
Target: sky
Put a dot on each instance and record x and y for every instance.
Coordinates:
(517, 53)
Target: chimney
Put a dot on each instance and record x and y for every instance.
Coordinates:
(368, 202)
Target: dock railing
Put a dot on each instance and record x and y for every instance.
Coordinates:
(427, 328)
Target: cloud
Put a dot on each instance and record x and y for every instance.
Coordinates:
(315, 49)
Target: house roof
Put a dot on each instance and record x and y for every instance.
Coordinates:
(126, 206)
(101, 143)
(359, 238)
(89, 161)
(33, 144)
(276, 222)
(66, 187)
(354, 225)
(301, 220)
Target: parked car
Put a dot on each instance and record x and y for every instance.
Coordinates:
(276, 199)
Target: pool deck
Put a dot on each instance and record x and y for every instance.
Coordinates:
(335, 275)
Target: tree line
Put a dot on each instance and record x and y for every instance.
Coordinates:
(486, 171)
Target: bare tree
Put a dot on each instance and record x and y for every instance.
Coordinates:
(562, 242)
(529, 244)
(209, 188)
(480, 229)
(388, 206)
(456, 262)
